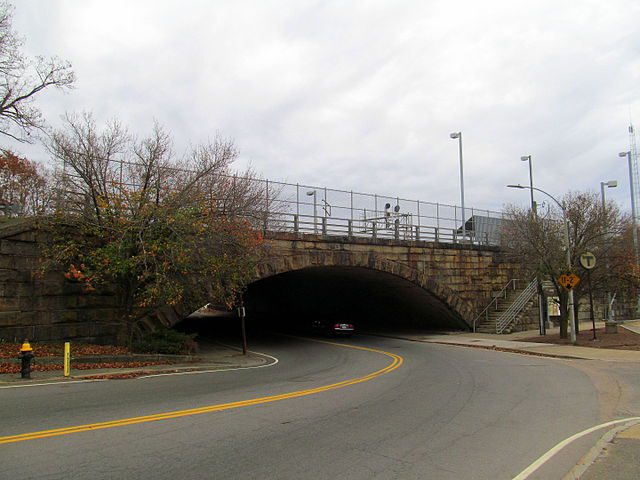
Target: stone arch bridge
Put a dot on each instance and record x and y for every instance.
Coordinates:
(430, 283)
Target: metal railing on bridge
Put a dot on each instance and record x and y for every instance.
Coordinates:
(303, 208)
(309, 209)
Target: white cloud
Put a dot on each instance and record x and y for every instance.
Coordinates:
(363, 95)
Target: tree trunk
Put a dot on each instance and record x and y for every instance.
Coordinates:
(564, 315)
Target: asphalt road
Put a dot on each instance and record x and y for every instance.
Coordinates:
(444, 413)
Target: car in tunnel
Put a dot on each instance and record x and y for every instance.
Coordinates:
(333, 328)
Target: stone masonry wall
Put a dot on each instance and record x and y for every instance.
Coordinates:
(47, 307)
(462, 276)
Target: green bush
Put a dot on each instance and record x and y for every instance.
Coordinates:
(170, 342)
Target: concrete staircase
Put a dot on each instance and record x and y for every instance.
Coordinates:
(505, 309)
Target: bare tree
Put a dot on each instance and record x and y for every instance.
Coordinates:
(166, 231)
(22, 79)
(537, 243)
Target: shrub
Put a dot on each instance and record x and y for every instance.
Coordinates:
(167, 341)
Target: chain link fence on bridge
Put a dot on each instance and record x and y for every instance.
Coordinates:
(301, 208)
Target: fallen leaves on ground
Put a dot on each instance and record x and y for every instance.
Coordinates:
(622, 340)
(49, 367)
(11, 350)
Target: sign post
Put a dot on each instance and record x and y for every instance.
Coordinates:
(242, 314)
(588, 261)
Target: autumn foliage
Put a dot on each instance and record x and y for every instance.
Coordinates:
(163, 231)
(23, 185)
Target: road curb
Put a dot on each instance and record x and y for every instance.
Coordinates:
(254, 360)
(510, 350)
(592, 455)
(486, 347)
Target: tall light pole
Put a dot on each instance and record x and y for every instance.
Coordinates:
(526, 158)
(633, 203)
(609, 184)
(543, 327)
(458, 135)
(312, 193)
(572, 316)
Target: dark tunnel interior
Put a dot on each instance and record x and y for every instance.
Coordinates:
(370, 299)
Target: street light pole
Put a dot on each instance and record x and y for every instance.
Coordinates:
(315, 210)
(633, 203)
(525, 158)
(572, 316)
(609, 184)
(458, 135)
(543, 327)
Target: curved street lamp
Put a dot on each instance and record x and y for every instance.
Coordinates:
(527, 158)
(572, 316)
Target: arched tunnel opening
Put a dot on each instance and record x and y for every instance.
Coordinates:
(372, 300)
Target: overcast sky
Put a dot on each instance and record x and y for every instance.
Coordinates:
(363, 95)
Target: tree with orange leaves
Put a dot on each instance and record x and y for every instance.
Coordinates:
(24, 188)
(164, 231)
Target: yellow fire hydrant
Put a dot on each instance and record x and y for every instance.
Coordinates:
(26, 356)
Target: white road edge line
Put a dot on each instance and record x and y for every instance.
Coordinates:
(196, 372)
(55, 383)
(585, 462)
(274, 362)
(527, 472)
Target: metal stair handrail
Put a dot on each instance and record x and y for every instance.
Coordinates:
(502, 294)
(510, 314)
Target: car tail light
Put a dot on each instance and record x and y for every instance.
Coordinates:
(343, 325)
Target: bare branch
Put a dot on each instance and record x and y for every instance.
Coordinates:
(22, 79)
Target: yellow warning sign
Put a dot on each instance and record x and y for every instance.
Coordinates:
(569, 280)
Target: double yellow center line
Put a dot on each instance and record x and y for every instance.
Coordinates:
(397, 361)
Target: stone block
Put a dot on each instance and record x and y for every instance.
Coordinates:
(9, 303)
(16, 248)
(7, 262)
(23, 263)
(8, 275)
(53, 317)
(96, 301)
(17, 318)
(48, 287)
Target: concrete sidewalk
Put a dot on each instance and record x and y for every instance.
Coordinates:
(218, 357)
(512, 343)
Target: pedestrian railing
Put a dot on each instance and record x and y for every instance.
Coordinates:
(506, 319)
(494, 304)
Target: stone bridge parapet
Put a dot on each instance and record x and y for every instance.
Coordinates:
(461, 276)
(46, 307)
